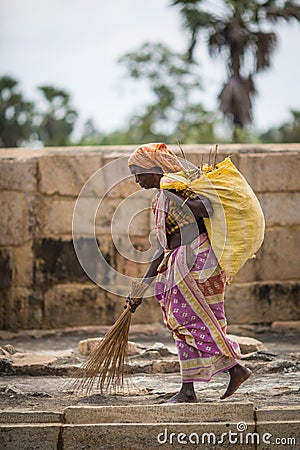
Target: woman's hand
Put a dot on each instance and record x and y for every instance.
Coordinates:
(133, 303)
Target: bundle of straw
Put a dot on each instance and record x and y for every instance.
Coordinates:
(105, 366)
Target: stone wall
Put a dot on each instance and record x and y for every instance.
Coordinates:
(42, 284)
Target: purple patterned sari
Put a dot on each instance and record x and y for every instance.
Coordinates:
(192, 300)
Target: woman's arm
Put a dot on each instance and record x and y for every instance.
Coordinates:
(149, 275)
(200, 206)
(152, 269)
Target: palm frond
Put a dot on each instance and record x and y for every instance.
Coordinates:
(264, 43)
(288, 11)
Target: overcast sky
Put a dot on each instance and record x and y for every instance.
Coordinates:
(75, 44)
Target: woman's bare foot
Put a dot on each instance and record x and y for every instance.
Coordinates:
(185, 395)
(238, 374)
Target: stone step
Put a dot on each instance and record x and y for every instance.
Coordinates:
(150, 436)
(185, 412)
(25, 436)
(31, 417)
(223, 425)
(278, 414)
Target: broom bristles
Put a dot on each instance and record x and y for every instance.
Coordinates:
(105, 366)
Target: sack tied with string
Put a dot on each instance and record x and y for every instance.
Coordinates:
(236, 228)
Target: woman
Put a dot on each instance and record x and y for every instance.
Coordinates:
(190, 285)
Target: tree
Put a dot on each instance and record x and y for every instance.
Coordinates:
(288, 132)
(56, 123)
(238, 33)
(16, 114)
(175, 111)
(90, 134)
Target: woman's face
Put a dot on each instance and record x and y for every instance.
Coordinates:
(147, 178)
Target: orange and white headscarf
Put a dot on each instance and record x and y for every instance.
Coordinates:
(149, 156)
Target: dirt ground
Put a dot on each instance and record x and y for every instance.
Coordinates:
(48, 387)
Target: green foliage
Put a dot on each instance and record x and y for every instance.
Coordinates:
(56, 123)
(245, 135)
(22, 122)
(288, 132)
(90, 134)
(238, 33)
(175, 111)
(16, 114)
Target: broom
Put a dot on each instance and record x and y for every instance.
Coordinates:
(105, 366)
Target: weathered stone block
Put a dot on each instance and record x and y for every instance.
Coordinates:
(56, 216)
(286, 326)
(28, 437)
(86, 346)
(5, 295)
(248, 344)
(165, 366)
(80, 304)
(276, 259)
(86, 304)
(85, 214)
(262, 302)
(132, 217)
(129, 255)
(148, 312)
(17, 218)
(6, 270)
(152, 436)
(278, 413)
(66, 173)
(23, 310)
(271, 172)
(30, 417)
(280, 208)
(33, 362)
(128, 217)
(104, 212)
(23, 265)
(164, 413)
(281, 434)
(18, 174)
(55, 261)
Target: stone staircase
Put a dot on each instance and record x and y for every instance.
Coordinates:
(220, 425)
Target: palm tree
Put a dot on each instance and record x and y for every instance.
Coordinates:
(237, 30)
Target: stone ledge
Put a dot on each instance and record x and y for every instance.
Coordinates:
(149, 426)
(14, 417)
(148, 436)
(278, 414)
(201, 412)
(29, 437)
(262, 301)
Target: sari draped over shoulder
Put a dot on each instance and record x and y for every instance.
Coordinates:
(191, 295)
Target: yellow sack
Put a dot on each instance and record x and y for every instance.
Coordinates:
(236, 228)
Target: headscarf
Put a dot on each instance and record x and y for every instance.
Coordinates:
(149, 156)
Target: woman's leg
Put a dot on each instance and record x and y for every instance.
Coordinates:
(238, 374)
(185, 395)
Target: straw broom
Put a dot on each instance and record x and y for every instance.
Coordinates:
(105, 366)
